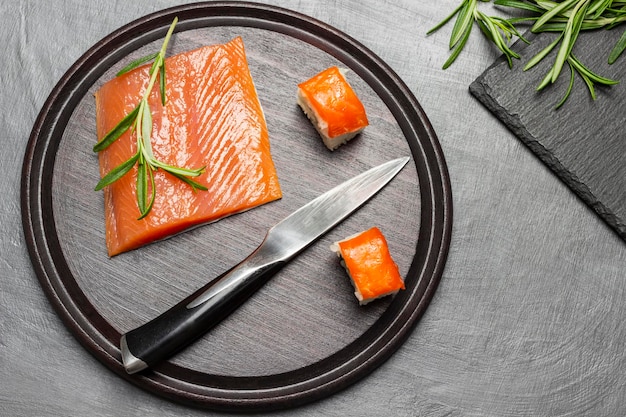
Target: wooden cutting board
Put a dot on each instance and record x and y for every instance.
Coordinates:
(584, 141)
(303, 335)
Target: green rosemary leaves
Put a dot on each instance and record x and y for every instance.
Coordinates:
(568, 18)
(139, 121)
(498, 30)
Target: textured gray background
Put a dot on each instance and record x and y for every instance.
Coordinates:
(527, 319)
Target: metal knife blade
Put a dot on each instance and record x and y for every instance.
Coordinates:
(179, 326)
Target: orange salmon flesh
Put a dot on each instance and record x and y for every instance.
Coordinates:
(212, 118)
(373, 272)
(332, 104)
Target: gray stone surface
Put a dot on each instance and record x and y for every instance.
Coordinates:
(583, 140)
(527, 320)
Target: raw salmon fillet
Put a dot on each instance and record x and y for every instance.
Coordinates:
(369, 264)
(212, 118)
(333, 107)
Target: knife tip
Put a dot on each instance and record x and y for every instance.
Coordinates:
(132, 364)
(397, 164)
(401, 162)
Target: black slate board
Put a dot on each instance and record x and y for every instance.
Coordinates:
(583, 141)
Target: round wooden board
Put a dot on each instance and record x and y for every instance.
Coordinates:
(302, 336)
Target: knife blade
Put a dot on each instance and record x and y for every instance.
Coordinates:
(192, 317)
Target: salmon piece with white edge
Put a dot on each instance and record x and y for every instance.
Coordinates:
(332, 106)
(212, 118)
(369, 264)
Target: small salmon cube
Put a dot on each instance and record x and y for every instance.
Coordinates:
(333, 107)
(366, 258)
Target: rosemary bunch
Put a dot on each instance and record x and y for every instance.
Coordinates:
(567, 18)
(498, 30)
(140, 122)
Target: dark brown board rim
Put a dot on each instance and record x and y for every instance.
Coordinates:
(230, 393)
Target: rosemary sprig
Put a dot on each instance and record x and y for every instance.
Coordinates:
(139, 120)
(568, 18)
(496, 29)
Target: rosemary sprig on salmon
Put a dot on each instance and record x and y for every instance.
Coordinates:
(213, 118)
(140, 122)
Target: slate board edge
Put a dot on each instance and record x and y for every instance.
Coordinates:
(481, 91)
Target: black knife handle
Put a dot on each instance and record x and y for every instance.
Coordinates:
(179, 326)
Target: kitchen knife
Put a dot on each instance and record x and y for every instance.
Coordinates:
(177, 327)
